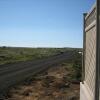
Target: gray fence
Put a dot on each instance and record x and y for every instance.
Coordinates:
(91, 51)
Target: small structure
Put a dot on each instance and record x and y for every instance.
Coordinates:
(90, 85)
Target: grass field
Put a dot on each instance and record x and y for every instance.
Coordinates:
(15, 54)
(66, 86)
(60, 82)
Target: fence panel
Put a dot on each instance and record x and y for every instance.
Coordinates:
(90, 50)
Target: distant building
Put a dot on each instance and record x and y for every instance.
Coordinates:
(90, 85)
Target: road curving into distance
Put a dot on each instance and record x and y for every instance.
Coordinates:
(11, 74)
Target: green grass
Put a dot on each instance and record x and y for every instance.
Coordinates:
(16, 54)
(74, 66)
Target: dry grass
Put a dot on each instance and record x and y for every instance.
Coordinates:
(55, 84)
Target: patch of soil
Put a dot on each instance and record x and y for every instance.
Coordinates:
(54, 84)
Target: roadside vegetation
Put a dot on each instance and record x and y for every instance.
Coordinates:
(59, 82)
(16, 54)
(77, 66)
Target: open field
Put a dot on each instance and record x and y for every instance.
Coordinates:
(57, 83)
(13, 73)
(16, 54)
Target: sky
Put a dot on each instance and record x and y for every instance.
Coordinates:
(42, 23)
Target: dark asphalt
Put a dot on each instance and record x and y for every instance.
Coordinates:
(11, 74)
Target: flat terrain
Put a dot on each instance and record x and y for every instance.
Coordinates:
(20, 64)
(56, 83)
(16, 54)
(11, 74)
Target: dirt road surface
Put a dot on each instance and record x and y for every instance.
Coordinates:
(11, 74)
(53, 84)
